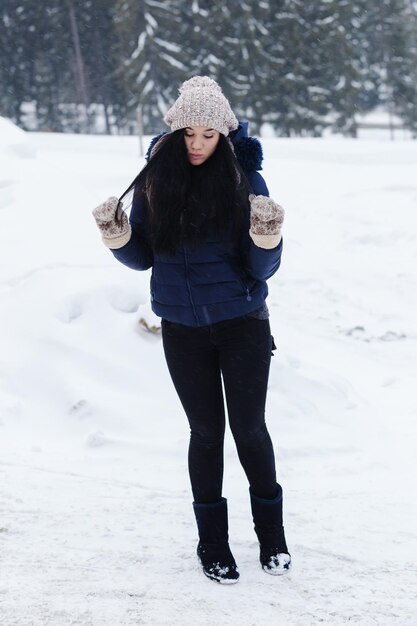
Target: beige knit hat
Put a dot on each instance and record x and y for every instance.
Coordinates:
(201, 103)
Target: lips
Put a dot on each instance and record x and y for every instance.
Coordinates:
(196, 156)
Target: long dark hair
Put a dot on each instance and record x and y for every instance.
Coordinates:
(186, 203)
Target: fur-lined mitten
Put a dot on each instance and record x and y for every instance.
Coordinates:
(113, 223)
(266, 218)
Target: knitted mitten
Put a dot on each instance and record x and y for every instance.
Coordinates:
(266, 218)
(113, 223)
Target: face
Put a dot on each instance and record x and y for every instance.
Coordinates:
(200, 143)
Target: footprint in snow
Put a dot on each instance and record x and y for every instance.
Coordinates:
(360, 332)
(81, 409)
(97, 439)
(70, 310)
(119, 299)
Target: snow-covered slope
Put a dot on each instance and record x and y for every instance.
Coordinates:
(97, 526)
(14, 146)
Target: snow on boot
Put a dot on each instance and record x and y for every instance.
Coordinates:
(213, 548)
(267, 516)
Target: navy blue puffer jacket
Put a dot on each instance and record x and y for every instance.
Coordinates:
(218, 280)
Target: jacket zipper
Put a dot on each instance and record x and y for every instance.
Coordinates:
(246, 289)
(151, 288)
(189, 286)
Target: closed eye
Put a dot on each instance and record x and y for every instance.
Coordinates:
(205, 136)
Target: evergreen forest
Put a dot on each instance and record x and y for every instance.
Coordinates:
(103, 65)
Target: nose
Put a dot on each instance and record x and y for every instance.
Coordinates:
(197, 143)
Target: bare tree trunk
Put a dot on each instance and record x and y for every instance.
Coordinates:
(140, 128)
(391, 124)
(107, 119)
(79, 64)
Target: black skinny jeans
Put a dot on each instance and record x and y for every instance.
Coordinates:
(239, 350)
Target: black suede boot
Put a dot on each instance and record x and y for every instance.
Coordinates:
(267, 516)
(213, 548)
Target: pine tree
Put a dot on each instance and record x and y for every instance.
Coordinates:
(317, 78)
(400, 42)
(155, 65)
(301, 66)
(408, 104)
(17, 63)
(388, 36)
(230, 42)
(244, 47)
(52, 80)
(203, 26)
(105, 79)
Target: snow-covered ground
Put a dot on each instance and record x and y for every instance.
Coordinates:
(96, 525)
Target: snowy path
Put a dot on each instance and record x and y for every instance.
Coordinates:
(86, 550)
(96, 524)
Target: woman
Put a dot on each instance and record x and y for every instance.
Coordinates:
(202, 219)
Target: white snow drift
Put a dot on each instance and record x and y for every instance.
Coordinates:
(96, 526)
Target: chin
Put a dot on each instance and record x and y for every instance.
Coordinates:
(196, 164)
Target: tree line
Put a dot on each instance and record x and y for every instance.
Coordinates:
(90, 66)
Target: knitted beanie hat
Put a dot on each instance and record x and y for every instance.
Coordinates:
(201, 103)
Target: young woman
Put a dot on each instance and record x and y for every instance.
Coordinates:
(202, 219)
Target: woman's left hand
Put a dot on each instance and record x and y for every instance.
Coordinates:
(266, 219)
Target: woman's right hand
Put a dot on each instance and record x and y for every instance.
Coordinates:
(113, 223)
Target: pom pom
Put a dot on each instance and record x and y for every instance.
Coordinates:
(248, 152)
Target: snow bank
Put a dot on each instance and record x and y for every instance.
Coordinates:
(14, 140)
(14, 146)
